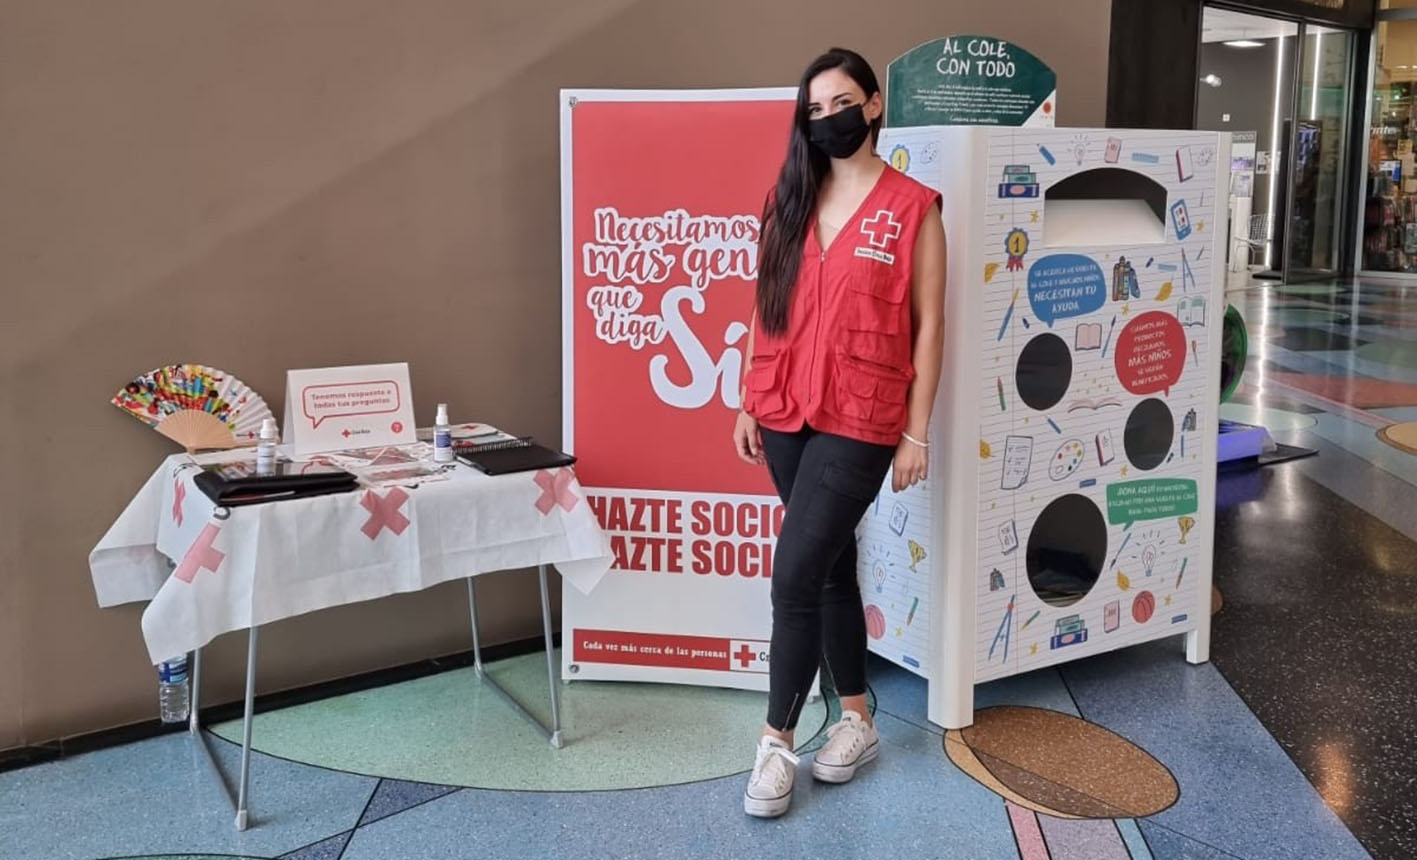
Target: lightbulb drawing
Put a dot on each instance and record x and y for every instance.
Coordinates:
(1148, 557)
(878, 576)
(1186, 524)
(1080, 148)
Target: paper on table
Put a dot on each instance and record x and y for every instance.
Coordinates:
(402, 476)
(462, 431)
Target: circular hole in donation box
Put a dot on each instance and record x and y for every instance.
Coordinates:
(1066, 549)
(1044, 371)
(1149, 434)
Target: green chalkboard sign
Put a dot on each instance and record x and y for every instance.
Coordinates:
(970, 80)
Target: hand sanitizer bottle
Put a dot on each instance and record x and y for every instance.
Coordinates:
(266, 447)
(442, 436)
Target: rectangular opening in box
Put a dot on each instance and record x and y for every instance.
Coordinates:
(1105, 206)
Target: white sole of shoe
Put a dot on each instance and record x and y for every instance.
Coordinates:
(824, 772)
(769, 808)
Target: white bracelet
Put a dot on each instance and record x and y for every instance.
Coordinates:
(913, 440)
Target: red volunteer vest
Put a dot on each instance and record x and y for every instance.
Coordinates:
(843, 365)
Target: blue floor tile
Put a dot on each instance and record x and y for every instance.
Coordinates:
(395, 795)
(1238, 788)
(122, 802)
(881, 811)
(325, 849)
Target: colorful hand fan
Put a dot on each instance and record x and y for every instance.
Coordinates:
(194, 405)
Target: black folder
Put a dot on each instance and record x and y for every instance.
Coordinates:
(513, 455)
(242, 483)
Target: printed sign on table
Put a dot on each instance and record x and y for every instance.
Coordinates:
(333, 408)
(662, 195)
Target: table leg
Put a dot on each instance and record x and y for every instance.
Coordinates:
(194, 725)
(553, 732)
(241, 810)
(550, 659)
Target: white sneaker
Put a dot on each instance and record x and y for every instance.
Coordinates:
(769, 791)
(851, 742)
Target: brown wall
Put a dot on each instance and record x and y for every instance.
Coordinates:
(259, 184)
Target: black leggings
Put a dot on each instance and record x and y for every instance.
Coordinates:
(827, 483)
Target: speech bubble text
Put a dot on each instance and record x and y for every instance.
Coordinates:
(1151, 353)
(1065, 285)
(323, 402)
(1151, 499)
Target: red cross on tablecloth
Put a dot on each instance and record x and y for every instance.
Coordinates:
(179, 492)
(384, 512)
(555, 490)
(201, 555)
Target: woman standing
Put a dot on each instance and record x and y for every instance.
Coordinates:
(845, 356)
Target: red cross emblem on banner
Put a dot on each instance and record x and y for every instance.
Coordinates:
(179, 492)
(881, 229)
(201, 555)
(555, 490)
(384, 513)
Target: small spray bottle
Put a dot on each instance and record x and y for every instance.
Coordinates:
(442, 436)
(266, 447)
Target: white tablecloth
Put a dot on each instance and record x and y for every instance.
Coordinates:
(242, 567)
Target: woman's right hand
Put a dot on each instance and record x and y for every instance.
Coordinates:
(747, 440)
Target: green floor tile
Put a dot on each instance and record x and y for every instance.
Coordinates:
(452, 729)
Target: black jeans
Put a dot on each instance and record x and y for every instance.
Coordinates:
(827, 482)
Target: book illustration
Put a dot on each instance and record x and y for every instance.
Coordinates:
(1019, 181)
(1071, 630)
(1185, 165)
(899, 516)
(1114, 150)
(1087, 336)
(1124, 281)
(1105, 452)
(1093, 403)
(1191, 310)
(1008, 537)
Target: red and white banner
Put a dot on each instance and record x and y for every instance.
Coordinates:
(661, 198)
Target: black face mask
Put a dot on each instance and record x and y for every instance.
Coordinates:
(840, 134)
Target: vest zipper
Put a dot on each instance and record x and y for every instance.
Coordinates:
(817, 329)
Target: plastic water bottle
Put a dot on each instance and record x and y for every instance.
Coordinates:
(173, 690)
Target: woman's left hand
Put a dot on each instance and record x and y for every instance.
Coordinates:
(911, 462)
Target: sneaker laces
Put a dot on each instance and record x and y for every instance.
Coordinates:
(855, 728)
(770, 754)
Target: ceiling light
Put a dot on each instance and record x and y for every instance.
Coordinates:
(1212, 80)
(1244, 43)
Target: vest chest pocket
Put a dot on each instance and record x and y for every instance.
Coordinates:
(875, 294)
(875, 319)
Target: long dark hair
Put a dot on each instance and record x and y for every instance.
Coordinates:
(794, 198)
